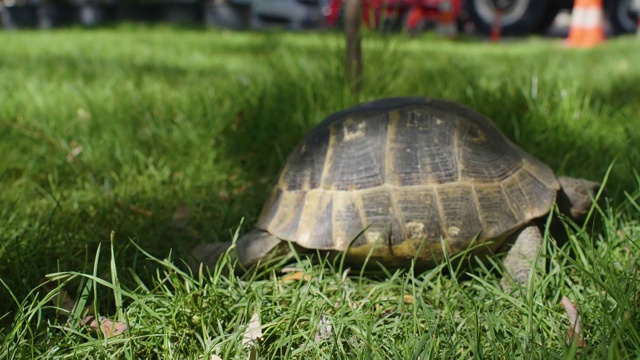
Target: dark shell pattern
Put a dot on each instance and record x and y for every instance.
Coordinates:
(404, 178)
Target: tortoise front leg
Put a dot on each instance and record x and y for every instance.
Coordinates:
(250, 249)
(208, 255)
(521, 257)
(259, 245)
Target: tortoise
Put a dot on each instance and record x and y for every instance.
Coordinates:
(407, 178)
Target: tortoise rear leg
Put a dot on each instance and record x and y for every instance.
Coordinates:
(250, 249)
(521, 257)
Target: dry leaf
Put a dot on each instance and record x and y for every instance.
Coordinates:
(107, 326)
(215, 357)
(180, 221)
(180, 216)
(295, 276)
(75, 151)
(325, 329)
(223, 195)
(384, 311)
(62, 299)
(83, 114)
(138, 210)
(253, 334)
(345, 273)
(574, 333)
(237, 120)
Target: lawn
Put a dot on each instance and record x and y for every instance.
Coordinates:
(171, 138)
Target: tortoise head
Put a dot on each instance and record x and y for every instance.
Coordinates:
(576, 197)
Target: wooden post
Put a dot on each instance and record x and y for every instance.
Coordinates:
(352, 12)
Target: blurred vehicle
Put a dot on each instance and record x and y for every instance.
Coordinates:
(94, 12)
(413, 15)
(17, 14)
(623, 15)
(264, 14)
(518, 17)
(521, 17)
(171, 11)
(291, 14)
(229, 14)
(53, 13)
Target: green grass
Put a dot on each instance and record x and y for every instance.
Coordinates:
(167, 117)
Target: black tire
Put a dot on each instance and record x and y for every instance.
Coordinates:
(522, 17)
(621, 16)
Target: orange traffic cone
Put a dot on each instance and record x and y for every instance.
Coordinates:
(587, 26)
(446, 21)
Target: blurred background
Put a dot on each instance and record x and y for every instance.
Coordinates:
(517, 17)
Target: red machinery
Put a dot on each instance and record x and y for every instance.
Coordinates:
(410, 14)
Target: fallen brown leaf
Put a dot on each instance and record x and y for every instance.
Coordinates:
(384, 310)
(107, 326)
(325, 329)
(408, 299)
(253, 333)
(237, 120)
(181, 216)
(138, 210)
(62, 299)
(295, 276)
(83, 114)
(75, 151)
(345, 273)
(574, 333)
(223, 195)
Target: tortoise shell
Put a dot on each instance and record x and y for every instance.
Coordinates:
(404, 178)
